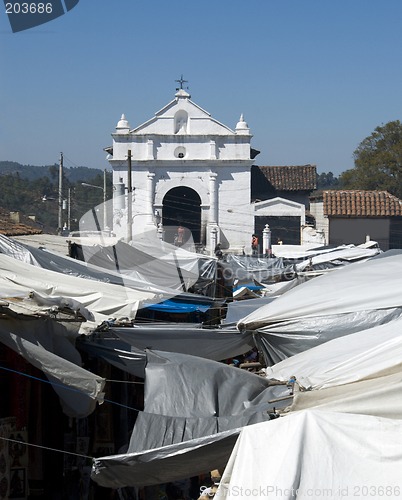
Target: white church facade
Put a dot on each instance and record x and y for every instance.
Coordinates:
(187, 169)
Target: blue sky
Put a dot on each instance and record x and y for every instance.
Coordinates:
(312, 77)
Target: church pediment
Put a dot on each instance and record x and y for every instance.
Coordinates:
(181, 116)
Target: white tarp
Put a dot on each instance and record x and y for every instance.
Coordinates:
(344, 254)
(14, 249)
(55, 305)
(306, 252)
(316, 455)
(379, 397)
(361, 355)
(350, 299)
(66, 265)
(44, 290)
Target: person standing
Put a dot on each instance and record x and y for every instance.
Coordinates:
(179, 240)
(254, 244)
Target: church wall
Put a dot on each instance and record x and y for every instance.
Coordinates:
(235, 216)
(200, 147)
(183, 146)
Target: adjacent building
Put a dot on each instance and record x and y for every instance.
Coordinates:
(280, 195)
(349, 216)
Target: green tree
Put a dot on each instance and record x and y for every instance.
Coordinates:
(327, 181)
(378, 161)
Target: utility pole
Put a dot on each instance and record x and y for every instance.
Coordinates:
(69, 210)
(129, 199)
(60, 220)
(105, 226)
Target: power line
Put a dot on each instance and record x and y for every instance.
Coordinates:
(46, 448)
(64, 387)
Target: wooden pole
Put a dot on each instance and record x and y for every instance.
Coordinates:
(129, 199)
(60, 220)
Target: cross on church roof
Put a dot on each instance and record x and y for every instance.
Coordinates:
(181, 81)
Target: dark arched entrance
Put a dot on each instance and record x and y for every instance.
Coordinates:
(182, 206)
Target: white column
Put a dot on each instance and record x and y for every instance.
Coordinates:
(150, 198)
(160, 231)
(213, 239)
(213, 199)
(150, 149)
(266, 241)
(212, 146)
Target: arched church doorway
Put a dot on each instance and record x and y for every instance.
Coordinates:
(182, 207)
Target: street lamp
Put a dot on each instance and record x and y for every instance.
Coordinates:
(104, 197)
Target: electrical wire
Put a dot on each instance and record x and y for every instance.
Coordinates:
(46, 448)
(65, 387)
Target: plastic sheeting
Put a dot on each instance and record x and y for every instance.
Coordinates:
(216, 344)
(350, 299)
(117, 353)
(156, 262)
(343, 252)
(192, 414)
(316, 454)
(148, 262)
(245, 269)
(14, 249)
(239, 309)
(78, 389)
(187, 397)
(72, 267)
(170, 463)
(49, 346)
(171, 306)
(49, 291)
(359, 356)
(378, 397)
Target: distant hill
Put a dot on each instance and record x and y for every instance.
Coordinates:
(33, 172)
(34, 191)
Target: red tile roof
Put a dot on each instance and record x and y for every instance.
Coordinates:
(354, 203)
(293, 178)
(8, 227)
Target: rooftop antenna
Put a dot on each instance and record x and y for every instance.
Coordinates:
(181, 81)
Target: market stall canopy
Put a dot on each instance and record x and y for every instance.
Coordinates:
(316, 454)
(193, 410)
(170, 463)
(187, 397)
(79, 390)
(350, 299)
(47, 292)
(187, 338)
(362, 355)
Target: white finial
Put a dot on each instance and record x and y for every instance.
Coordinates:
(122, 125)
(242, 127)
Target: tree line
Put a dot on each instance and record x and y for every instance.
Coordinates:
(378, 163)
(39, 197)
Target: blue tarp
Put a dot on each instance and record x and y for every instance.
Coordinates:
(171, 306)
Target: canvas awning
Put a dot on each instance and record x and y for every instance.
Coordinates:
(316, 454)
(350, 299)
